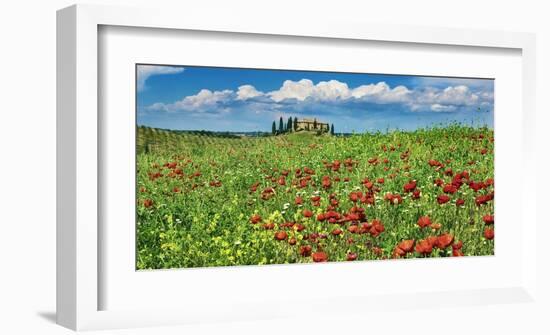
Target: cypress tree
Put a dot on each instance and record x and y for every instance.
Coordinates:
(289, 125)
(295, 123)
(314, 124)
(281, 126)
(273, 128)
(332, 129)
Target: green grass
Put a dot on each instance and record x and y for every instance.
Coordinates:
(206, 222)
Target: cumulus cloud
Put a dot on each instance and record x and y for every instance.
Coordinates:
(246, 92)
(204, 101)
(146, 71)
(332, 97)
(382, 93)
(304, 89)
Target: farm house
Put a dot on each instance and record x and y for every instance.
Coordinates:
(311, 124)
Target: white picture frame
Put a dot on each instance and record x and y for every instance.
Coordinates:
(78, 248)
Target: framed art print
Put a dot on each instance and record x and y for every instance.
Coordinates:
(234, 171)
(240, 166)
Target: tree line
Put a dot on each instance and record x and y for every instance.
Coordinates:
(291, 125)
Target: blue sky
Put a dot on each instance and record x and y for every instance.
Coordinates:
(233, 99)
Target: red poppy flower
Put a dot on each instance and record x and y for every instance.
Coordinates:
(351, 256)
(147, 203)
(321, 217)
(176, 190)
(332, 215)
(442, 199)
(380, 180)
(410, 186)
(308, 170)
(254, 187)
(477, 186)
(444, 240)
(325, 182)
(287, 225)
(215, 183)
(377, 251)
(307, 213)
(434, 163)
(483, 199)
(394, 199)
(449, 188)
(457, 253)
(416, 194)
(432, 240)
(354, 197)
(460, 202)
(336, 232)
(398, 252)
(439, 182)
(423, 247)
(424, 221)
(489, 219)
(319, 256)
(268, 193)
(255, 218)
(305, 250)
(353, 229)
(281, 235)
(406, 245)
(299, 227)
(457, 245)
(292, 241)
(376, 228)
(489, 233)
(269, 225)
(315, 198)
(298, 201)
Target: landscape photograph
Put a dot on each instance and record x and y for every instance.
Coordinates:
(239, 166)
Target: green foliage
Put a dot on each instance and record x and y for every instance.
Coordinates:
(196, 212)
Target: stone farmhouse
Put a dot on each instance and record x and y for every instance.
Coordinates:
(312, 125)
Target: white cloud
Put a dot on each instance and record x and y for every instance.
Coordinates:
(248, 91)
(203, 101)
(382, 93)
(304, 89)
(448, 99)
(146, 71)
(452, 95)
(442, 108)
(299, 90)
(333, 90)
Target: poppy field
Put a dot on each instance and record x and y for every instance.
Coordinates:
(300, 198)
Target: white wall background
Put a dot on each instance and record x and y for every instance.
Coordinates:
(27, 164)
